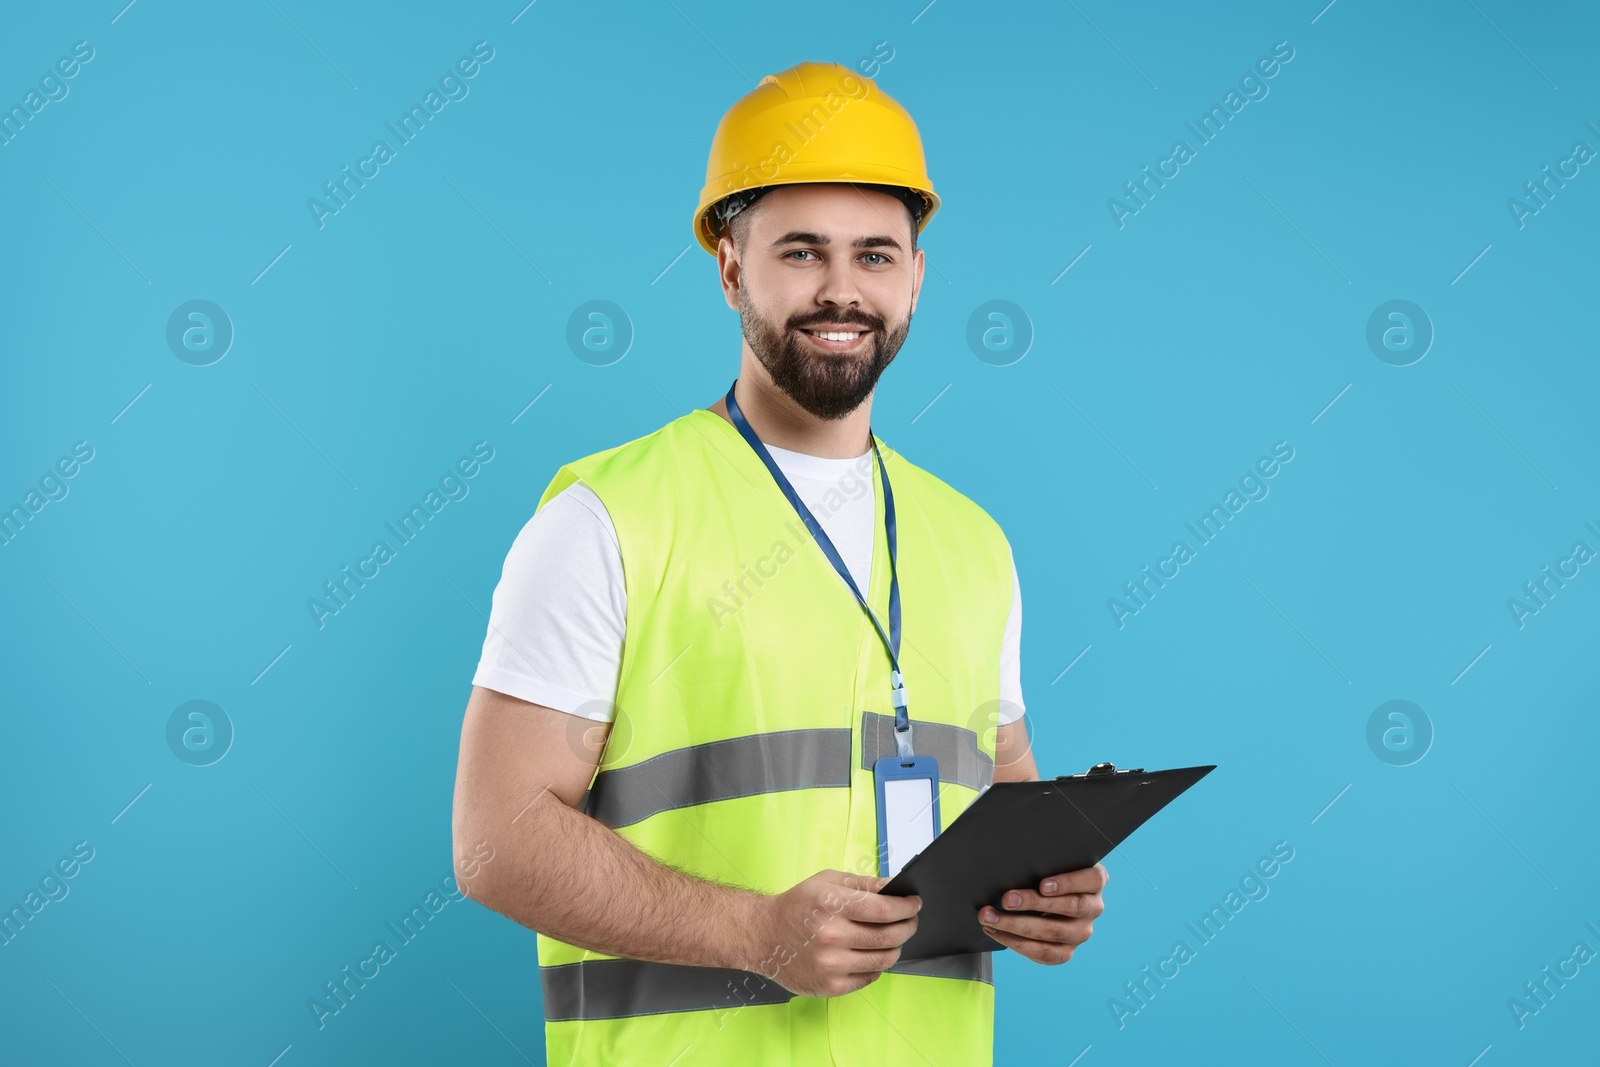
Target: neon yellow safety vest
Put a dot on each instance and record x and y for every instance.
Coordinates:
(752, 700)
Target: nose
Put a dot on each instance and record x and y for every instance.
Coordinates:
(838, 286)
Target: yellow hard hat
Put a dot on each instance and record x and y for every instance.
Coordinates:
(815, 122)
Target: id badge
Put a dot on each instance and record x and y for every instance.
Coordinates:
(908, 809)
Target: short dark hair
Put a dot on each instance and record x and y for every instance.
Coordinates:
(738, 226)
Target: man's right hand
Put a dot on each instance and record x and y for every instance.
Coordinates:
(832, 933)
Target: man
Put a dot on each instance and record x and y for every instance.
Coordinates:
(673, 733)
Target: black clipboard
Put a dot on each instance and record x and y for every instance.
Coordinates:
(1017, 833)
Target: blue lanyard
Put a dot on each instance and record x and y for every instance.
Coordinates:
(891, 641)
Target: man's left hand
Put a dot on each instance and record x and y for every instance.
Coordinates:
(1069, 902)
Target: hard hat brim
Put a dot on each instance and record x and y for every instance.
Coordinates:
(708, 234)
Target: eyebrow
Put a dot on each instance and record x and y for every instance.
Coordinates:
(804, 237)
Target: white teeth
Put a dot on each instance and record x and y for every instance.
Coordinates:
(834, 336)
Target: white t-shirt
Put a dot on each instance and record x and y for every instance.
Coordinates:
(556, 625)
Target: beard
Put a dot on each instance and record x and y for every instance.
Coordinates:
(830, 385)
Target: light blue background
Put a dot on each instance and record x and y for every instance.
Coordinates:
(428, 314)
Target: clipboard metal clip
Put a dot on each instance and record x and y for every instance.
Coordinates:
(1102, 770)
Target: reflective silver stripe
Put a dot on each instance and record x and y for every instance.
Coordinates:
(618, 989)
(960, 759)
(721, 770)
(972, 966)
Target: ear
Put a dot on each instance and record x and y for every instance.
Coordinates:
(918, 262)
(728, 271)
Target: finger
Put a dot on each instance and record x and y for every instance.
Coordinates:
(879, 936)
(877, 908)
(873, 962)
(864, 883)
(860, 980)
(1087, 880)
(1039, 927)
(1046, 952)
(1079, 905)
(839, 985)
(859, 883)
(856, 893)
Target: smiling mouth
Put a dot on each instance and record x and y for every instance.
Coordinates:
(835, 340)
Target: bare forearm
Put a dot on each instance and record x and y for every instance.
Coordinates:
(562, 873)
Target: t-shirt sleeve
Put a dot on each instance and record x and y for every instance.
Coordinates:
(1011, 707)
(556, 623)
